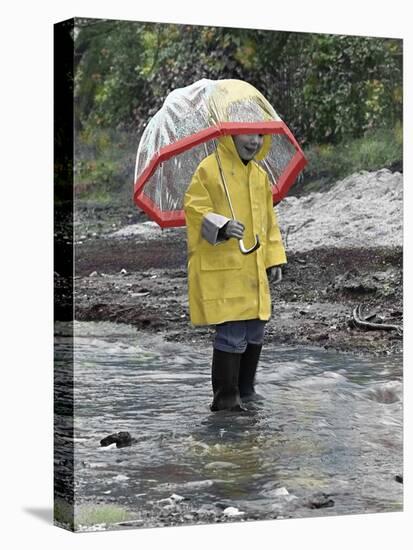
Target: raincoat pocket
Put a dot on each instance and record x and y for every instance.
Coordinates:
(220, 276)
(220, 262)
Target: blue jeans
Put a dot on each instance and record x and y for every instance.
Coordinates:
(234, 336)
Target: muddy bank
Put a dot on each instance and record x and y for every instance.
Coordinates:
(313, 305)
(344, 248)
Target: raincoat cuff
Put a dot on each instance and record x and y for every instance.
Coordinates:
(211, 224)
(276, 259)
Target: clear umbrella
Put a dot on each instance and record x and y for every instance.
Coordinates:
(184, 131)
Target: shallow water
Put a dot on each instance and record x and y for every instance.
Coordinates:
(329, 423)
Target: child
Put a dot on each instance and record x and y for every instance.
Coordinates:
(227, 288)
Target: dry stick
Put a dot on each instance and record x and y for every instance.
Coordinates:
(292, 229)
(362, 323)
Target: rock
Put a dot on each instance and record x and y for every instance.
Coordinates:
(221, 505)
(167, 501)
(282, 491)
(121, 477)
(320, 500)
(123, 272)
(232, 511)
(169, 506)
(94, 274)
(122, 439)
(130, 523)
(198, 484)
(320, 337)
(221, 465)
(172, 500)
(399, 478)
(177, 498)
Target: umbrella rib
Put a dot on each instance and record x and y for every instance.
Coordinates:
(269, 170)
(191, 103)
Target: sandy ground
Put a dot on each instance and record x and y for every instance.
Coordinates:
(344, 248)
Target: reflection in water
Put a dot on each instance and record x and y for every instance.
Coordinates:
(328, 422)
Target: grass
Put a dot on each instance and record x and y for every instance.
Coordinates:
(327, 163)
(87, 515)
(63, 514)
(104, 165)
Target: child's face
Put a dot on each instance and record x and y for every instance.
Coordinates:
(248, 145)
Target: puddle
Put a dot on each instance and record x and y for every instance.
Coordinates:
(329, 427)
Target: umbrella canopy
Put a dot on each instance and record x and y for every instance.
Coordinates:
(183, 132)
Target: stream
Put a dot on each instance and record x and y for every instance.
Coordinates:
(325, 440)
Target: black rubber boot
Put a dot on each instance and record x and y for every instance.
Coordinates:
(225, 371)
(248, 368)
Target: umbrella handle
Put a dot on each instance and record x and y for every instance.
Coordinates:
(240, 242)
(249, 250)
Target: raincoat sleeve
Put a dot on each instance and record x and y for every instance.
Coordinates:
(275, 252)
(199, 212)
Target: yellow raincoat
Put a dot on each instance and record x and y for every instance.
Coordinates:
(225, 285)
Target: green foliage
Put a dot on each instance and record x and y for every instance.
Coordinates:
(104, 164)
(124, 69)
(328, 163)
(350, 85)
(109, 86)
(63, 513)
(326, 87)
(87, 515)
(74, 517)
(329, 89)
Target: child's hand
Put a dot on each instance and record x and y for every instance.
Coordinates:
(274, 274)
(234, 229)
